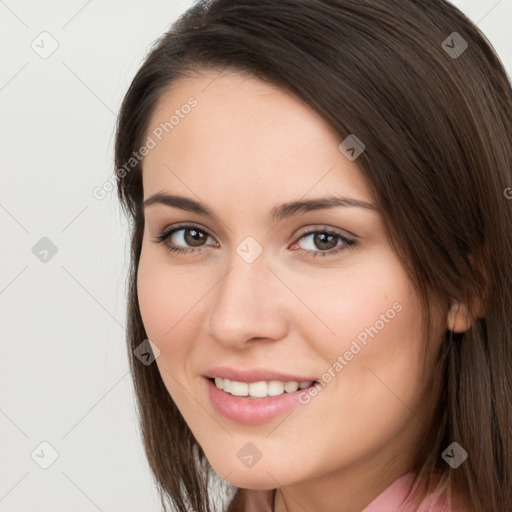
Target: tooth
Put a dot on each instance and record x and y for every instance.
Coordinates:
(275, 388)
(239, 388)
(226, 385)
(290, 387)
(258, 389)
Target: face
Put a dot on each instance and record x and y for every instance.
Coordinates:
(246, 290)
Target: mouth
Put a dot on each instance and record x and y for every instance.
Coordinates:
(235, 400)
(260, 389)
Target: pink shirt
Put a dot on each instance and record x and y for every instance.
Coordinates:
(388, 501)
(391, 498)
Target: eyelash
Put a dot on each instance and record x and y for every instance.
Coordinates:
(348, 242)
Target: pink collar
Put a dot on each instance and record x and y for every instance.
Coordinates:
(390, 500)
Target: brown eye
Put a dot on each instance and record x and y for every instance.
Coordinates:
(183, 239)
(323, 242)
(193, 236)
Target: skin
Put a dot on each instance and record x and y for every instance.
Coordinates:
(247, 147)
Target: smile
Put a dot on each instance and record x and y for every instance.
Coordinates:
(275, 398)
(259, 389)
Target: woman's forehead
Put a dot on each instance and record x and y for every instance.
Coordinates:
(243, 133)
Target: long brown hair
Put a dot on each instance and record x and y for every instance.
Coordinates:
(434, 110)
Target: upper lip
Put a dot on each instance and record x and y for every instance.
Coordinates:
(254, 375)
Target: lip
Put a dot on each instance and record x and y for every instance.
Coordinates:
(254, 375)
(251, 410)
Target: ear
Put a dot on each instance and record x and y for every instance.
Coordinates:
(461, 316)
(460, 319)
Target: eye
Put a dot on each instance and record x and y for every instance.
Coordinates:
(189, 238)
(327, 241)
(184, 234)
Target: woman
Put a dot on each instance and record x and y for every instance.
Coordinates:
(321, 257)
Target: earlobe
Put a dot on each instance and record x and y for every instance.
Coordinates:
(459, 318)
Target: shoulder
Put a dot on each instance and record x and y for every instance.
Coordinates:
(405, 494)
(444, 497)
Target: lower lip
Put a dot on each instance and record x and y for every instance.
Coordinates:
(251, 410)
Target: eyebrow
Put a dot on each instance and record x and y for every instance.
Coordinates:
(276, 214)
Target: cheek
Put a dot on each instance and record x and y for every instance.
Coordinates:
(364, 300)
(373, 344)
(172, 305)
(165, 301)
(155, 302)
(166, 294)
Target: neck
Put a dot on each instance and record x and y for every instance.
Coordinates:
(346, 490)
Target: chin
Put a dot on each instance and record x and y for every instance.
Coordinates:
(260, 477)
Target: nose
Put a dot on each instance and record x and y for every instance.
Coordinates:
(248, 304)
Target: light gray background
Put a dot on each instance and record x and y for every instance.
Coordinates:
(63, 369)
